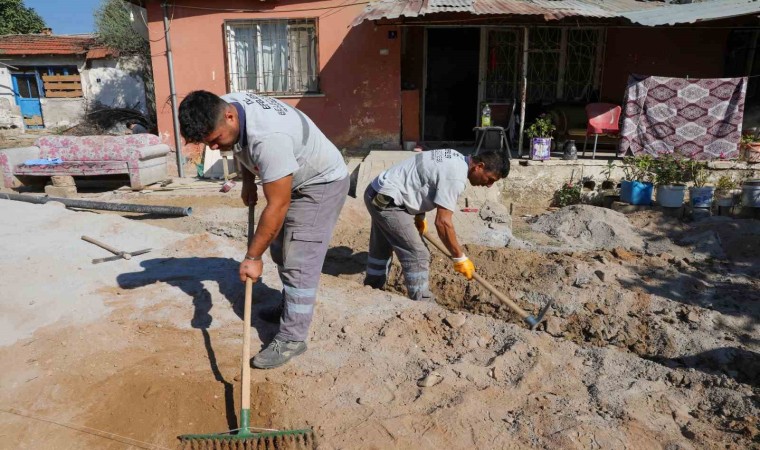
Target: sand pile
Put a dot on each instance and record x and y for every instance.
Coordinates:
(587, 227)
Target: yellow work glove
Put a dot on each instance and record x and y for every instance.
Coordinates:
(464, 266)
(421, 223)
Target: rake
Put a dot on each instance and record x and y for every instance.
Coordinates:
(245, 437)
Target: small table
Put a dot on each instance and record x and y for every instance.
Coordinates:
(503, 142)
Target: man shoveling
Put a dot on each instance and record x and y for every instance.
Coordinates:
(305, 181)
(398, 199)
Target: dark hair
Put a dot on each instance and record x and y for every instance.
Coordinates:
(199, 114)
(493, 162)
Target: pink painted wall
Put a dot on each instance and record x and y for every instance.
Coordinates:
(693, 52)
(360, 106)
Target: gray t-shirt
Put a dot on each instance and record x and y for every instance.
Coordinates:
(435, 177)
(282, 141)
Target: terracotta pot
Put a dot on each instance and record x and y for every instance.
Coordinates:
(752, 152)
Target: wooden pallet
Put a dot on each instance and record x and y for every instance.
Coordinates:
(62, 86)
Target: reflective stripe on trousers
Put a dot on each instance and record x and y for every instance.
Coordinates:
(299, 251)
(393, 231)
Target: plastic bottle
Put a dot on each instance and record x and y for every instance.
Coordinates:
(485, 118)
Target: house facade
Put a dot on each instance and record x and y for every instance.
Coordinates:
(49, 81)
(373, 75)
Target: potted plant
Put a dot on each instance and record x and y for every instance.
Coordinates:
(700, 195)
(726, 191)
(637, 187)
(568, 194)
(750, 144)
(751, 193)
(670, 176)
(608, 184)
(540, 134)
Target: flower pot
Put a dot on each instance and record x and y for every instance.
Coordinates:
(701, 197)
(752, 152)
(751, 193)
(671, 196)
(540, 148)
(636, 192)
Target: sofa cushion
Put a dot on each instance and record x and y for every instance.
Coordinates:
(95, 148)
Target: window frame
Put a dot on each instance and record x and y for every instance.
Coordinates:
(228, 50)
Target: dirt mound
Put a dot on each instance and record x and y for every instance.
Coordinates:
(589, 227)
(641, 350)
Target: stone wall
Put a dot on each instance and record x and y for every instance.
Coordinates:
(534, 182)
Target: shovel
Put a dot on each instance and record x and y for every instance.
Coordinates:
(524, 315)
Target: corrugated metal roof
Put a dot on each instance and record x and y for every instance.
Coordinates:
(449, 6)
(550, 9)
(695, 12)
(646, 13)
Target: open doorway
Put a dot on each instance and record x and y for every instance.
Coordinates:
(451, 93)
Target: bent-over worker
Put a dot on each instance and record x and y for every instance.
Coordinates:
(305, 182)
(397, 201)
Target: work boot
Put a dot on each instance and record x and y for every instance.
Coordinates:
(272, 315)
(277, 353)
(374, 281)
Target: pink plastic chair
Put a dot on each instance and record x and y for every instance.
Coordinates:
(603, 118)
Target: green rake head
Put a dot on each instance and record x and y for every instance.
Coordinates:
(268, 440)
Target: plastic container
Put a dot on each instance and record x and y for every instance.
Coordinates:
(541, 149)
(751, 193)
(671, 196)
(485, 117)
(636, 192)
(701, 197)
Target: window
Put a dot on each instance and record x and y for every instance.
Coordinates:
(501, 73)
(277, 57)
(51, 82)
(563, 64)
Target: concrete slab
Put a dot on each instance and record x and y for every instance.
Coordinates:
(375, 163)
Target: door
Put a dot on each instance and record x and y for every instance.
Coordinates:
(27, 92)
(451, 89)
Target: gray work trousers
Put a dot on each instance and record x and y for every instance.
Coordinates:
(393, 230)
(299, 252)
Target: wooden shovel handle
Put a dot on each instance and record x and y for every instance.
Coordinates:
(102, 245)
(502, 298)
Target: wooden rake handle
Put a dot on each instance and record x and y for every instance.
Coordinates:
(246, 363)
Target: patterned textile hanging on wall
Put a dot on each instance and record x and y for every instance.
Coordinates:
(696, 118)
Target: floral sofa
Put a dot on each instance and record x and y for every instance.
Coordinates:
(141, 156)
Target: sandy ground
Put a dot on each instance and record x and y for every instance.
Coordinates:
(653, 341)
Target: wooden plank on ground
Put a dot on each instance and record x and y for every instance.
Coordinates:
(63, 94)
(61, 78)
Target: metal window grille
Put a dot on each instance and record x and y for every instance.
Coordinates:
(544, 65)
(563, 64)
(501, 72)
(580, 78)
(275, 57)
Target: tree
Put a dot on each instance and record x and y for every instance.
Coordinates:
(15, 18)
(113, 29)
